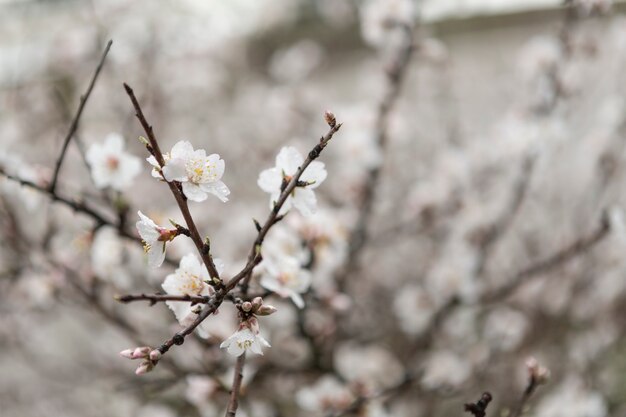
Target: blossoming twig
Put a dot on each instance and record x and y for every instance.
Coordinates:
(255, 257)
(153, 147)
(74, 125)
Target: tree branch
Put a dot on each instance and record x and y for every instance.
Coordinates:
(233, 404)
(180, 198)
(79, 112)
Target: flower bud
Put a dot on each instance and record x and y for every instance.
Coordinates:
(252, 324)
(266, 310)
(141, 352)
(536, 372)
(246, 306)
(329, 117)
(127, 353)
(145, 367)
(155, 355)
(256, 303)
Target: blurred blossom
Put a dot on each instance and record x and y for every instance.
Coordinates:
(380, 19)
(505, 328)
(199, 391)
(414, 309)
(572, 399)
(296, 62)
(110, 165)
(445, 369)
(108, 256)
(327, 394)
(286, 277)
(373, 366)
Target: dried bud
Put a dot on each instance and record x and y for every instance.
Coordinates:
(155, 355)
(329, 117)
(537, 373)
(266, 310)
(145, 367)
(246, 306)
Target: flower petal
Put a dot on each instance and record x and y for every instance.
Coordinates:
(270, 180)
(175, 170)
(194, 192)
(315, 173)
(289, 160)
(218, 189)
(304, 200)
(182, 149)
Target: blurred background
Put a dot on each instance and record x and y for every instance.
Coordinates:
(496, 230)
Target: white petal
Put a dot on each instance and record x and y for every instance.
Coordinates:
(304, 200)
(235, 350)
(148, 229)
(220, 165)
(297, 299)
(289, 160)
(156, 254)
(194, 192)
(218, 189)
(270, 180)
(183, 149)
(175, 170)
(190, 264)
(256, 347)
(114, 143)
(315, 173)
(94, 154)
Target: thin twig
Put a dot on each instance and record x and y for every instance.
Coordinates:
(156, 298)
(180, 198)
(79, 112)
(233, 403)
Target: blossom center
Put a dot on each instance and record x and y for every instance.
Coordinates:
(112, 163)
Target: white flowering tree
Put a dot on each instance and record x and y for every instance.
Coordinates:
(402, 268)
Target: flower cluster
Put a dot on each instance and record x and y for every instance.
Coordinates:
(149, 358)
(247, 337)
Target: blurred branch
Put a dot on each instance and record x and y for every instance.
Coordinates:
(74, 124)
(491, 234)
(394, 77)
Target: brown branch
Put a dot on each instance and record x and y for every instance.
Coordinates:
(255, 256)
(156, 298)
(395, 75)
(233, 403)
(180, 198)
(79, 112)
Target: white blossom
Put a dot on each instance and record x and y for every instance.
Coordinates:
(154, 238)
(326, 395)
(110, 165)
(243, 340)
(286, 277)
(107, 257)
(199, 174)
(303, 197)
(190, 278)
(445, 369)
(572, 399)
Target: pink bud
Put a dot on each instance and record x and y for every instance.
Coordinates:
(141, 352)
(155, 355)
(256, 303)
(145, 367)
(246, 306)
(266, 310)
(253, 325)
(127, 353)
